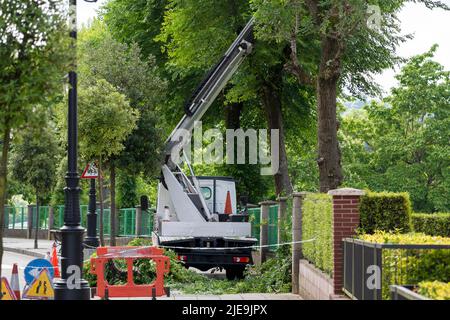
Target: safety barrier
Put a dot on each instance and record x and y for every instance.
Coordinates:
(130, 289)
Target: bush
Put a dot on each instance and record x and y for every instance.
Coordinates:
(435, 290)
(411, 266)
(385, 212)
(317, 224)
(436, 224)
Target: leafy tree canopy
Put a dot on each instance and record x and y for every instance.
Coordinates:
(401, 143)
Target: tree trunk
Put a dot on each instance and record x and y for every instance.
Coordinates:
(271, 99)
(112, 238)
(3, 184)
(329, 157)
(233, 116)
(100, 198)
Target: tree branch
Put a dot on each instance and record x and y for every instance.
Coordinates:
(313, 8)
(293, 66)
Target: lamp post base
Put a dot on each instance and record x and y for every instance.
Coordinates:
(92, 242)
(64, 291)
(71, 286)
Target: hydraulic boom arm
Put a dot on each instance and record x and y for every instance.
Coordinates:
(211, 86)
(177, 193)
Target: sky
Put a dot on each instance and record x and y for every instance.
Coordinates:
(428, 26)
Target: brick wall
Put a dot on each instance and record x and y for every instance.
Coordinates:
(345, 223)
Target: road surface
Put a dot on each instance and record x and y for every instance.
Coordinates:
(9, 258)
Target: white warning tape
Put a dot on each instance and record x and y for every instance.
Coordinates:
(134, 250)
(246, 247)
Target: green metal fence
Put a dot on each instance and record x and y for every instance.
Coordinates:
(273, 227)
(127, 222)
(255, 219)
(16, 218)
(43, 216)
(147, 221)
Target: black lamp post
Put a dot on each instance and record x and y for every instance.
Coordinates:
(72, 286)
(92, 239)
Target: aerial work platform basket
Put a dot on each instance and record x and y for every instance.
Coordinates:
(130, 289)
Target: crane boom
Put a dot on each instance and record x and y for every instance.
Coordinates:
(212, 85)
(195, 211)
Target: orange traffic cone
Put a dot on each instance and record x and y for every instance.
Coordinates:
(228, 207)
(54, 261)
(15, 281)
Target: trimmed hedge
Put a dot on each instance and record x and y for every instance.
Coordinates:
(435, 290)
(317, 223)
(436, 224)
(385, 211)
(409, 267)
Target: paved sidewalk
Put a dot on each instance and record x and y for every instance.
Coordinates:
(227, 297)
(26, 246)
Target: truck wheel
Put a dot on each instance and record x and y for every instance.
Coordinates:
(239, 273)
(230, 272)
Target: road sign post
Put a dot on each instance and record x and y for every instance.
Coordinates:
(91, 241)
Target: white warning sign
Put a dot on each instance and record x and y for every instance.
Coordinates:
(90, 172)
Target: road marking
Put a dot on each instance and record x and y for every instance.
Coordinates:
(9, 266)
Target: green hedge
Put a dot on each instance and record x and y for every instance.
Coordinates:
(436, 224)
(410, 266)
(435, 290)
(385, 212)
(317, 224)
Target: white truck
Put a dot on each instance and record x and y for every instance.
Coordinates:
(191, 211)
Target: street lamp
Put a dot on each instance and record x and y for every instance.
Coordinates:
(72, 286)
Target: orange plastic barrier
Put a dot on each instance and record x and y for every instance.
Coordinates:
(130, 289)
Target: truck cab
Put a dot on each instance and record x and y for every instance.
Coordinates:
(224, 243)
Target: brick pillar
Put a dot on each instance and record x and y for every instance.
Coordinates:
(138, 225)
(297, 254)
(282, 206)
(345, 223)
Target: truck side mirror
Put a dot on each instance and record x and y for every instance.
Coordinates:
(144, 203)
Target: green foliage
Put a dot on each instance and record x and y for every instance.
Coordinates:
(401, 143)
(408, 238)
(406, 266)
(137, 21)
(127, 196)
(317, 224)
(385, 212)
(121, 65)
(436, 224)
(105, 120)
(33, 57)
(34, 159)
(273, 276)
(435, 290)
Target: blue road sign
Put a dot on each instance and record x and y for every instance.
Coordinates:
(33, 269)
